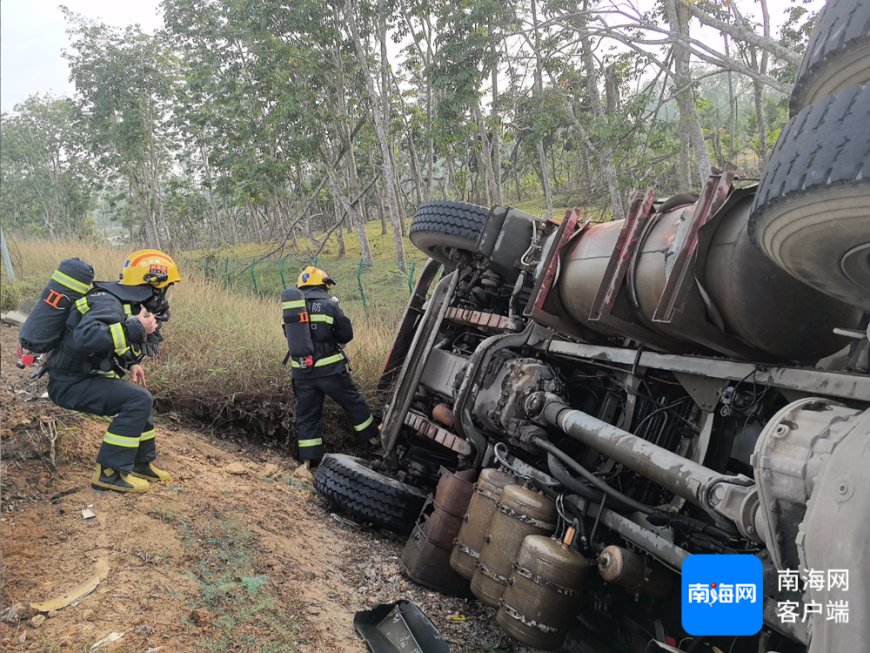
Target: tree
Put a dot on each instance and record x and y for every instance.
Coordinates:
(124, 80)
(46, 179)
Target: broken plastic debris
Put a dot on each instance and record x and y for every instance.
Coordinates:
(399, 627)
(87, 513)
(82, 589)
(457, 617)
(112, 637)
(344, 521)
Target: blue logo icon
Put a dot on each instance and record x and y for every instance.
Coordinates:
(722, 595)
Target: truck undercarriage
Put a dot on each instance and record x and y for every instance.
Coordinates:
(691, 379)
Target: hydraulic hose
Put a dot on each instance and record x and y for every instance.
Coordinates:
(680, 475)
(612, 492)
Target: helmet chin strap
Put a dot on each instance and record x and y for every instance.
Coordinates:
(158, 302)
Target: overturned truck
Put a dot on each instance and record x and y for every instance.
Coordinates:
(577, 407)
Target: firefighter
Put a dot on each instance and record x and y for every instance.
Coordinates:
(325, 370)
(107, 332)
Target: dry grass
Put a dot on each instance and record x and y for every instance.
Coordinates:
(221, 360)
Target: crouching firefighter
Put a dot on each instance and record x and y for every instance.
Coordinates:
(108, 332)
(317, 330)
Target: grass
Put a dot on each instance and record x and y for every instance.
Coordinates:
(240, 602)
(221, 360)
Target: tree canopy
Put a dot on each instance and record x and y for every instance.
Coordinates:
(247, 120)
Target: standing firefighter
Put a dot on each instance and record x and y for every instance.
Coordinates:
(316, 330)
(108, 332)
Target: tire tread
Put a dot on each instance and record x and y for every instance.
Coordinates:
(365, 494)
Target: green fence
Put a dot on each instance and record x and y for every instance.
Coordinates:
(372, 287)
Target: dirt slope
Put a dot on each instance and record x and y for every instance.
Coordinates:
(236, 553)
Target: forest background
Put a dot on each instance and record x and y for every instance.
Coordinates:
(251, 137)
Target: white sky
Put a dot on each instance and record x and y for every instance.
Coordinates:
(33, 35)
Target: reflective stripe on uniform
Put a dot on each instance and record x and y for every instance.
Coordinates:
(82, 305)
(128, 310)
(118, 337)
(364, 425)
(121, 440)
(329, 360)
(147, 435)
(293, 303)
(69, 282)
(321, 317)
(316, 442)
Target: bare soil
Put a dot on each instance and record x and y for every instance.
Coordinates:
(236, 553)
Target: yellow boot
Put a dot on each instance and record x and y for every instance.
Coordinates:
(150, 472)
(106, 478)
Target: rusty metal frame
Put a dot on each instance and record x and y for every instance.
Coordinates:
(842, 385)
(677, 285)
(567, 231)
(626, 244)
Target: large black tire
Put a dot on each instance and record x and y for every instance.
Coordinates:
(838, 53)
(353, 486)
(443, 227)
(811, 214)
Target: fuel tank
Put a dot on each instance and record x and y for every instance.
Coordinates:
(520, 512)
(736, 294)
(475, 523)
(542, 594)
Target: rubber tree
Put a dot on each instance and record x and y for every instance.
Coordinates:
(46, 179)
(124, 81)
(380, 104)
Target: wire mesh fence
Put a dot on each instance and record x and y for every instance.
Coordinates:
(367, 287)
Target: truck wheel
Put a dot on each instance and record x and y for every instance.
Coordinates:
(353, 486)
(442, 227)
(810, 212)
(838, 53)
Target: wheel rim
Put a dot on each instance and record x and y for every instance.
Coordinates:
(856, 265)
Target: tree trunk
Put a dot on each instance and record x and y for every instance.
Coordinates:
(605, 154)
(758, 88)
(690, 127)
(484, 156)
(539, 91)
(495, 140)
(732, 108)
(380, 120)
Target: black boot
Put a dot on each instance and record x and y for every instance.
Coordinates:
(106, 478)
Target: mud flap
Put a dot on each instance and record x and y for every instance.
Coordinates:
(400, 626)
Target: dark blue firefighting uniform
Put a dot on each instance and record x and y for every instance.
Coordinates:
(329, 375)
(102, 342)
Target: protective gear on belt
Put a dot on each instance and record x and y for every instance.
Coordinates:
(312, 277)
(326, 373)
(328, 329)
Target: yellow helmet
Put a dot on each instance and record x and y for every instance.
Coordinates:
(312, 276)
(149, 267)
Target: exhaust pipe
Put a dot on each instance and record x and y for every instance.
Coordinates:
(732, 497)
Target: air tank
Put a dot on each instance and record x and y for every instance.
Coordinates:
(633, 572)
(737, 291)
(521, 512)
(475, 524)
(426, 556)
(542, 594)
